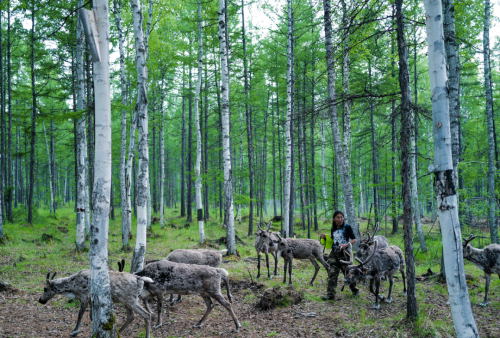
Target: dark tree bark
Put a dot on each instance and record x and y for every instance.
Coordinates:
(33, 118)
(249, 124)
(183, 155)
(8, 190)
(374, 151)
(406, 116)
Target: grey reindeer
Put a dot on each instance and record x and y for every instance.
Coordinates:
(264, 244)
(299, 248)
(211, 258)
(379, 264)
(126, 288)
(366, 243)
(185, 279)
(487, 259)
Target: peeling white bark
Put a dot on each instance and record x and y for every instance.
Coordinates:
(102, 305)
(463, 318)
(226, 150)
(323, 174)
(142, 145)
(197, 168)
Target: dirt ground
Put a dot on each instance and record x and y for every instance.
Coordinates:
(22, 316)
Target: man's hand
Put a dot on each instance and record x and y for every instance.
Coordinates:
(344, 246)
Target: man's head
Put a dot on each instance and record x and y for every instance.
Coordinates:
(338, 219)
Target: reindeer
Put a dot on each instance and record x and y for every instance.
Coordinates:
(366, 244)
(487, 259)
(125, 288)
(380, 263)
(264, 243)
(291, 248)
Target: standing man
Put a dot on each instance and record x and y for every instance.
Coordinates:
(341, 234)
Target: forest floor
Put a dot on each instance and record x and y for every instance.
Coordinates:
(27, 257)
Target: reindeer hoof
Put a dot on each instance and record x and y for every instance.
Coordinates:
(376, 306)
(388, 300)
(381, 297)
(74, 333)
(198, 325)
(404, 293)
(157, 326)
(483, 304)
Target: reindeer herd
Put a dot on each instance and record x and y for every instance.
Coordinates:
(197, 271)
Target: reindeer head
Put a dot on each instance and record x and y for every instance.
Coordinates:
(357, 273)
(265, 234)
(282, 244)
(466, 247)
(366, 243)
(49, 290)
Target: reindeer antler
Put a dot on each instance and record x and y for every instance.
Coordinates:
(258, 225)
(369, 257)
(466, 241)
(269, 225)
(377, 228)
(349, 253)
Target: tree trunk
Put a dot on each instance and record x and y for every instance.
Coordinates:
(143, 151)
(461, 311)
(103, 319)
(275, 210)
(361, 208)
(228, 187)
(33, 119)
(343, 161)
(183, 150)
(81, 141)
(489, 115)
(313, 148)
(414, 190)
(52, 164)
(8, 179)
(197, 168)
(374, 152)
(124, 184)
(406, 114)
(189, 216)
(393, 141)
(162, 162)
(249, 124)
(51, 174)
(346, 140)
(287, 222)
(205, 199)
(240, 183)
(323, 165)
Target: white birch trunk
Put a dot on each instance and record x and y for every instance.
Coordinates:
(323, 168)
(414, 190)
(461, 311)
(102, 305)
(123, 151)
(129, 170)
(342, 161)
(288, 131)
(226, 150)
(346, 140)
(142, 125)
(197, 167)
(50, 171)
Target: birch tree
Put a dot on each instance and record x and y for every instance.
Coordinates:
(341, 159)
(463, 318)
(81, 140)
(102, 306)
(414, 188)
(126, 210)
(288, 129)
(226, 150)
(490, 120)
(197, 168)
(142, 144)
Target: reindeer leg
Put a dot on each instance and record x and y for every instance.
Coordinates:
(130, 318)
(285, 268)
(210, 305)
(258, 265)
(290, 272)
(178, 300)
(377, 288)
(159, 299)
(267, 264)
(171, 299)
(391, 282)
(275, 255)
(83, 307)
(404, 282)
(487, 276)
(316, 269)
(144, 314)
(218, 297)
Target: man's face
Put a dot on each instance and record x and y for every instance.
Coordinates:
(339, 219)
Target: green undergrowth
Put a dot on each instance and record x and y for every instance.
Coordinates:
(48, 245)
